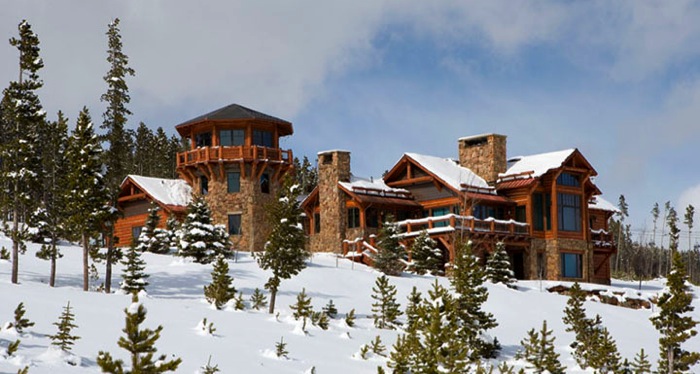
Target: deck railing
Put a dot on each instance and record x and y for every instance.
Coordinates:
(602, 239)
(450, 222)
(232, 153)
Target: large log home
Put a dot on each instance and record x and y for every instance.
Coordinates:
(544, 207)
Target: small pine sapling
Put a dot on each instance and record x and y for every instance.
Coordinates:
(321, 320)
(498, 268)
(258, 300)
(377, 347)
(538, 351)
(330, 309)
(281, 348)
(134, 277)
(24, 370)
(350, 318)
(426, 256)
(413, 308)
(63, 338)
(239, 302)
(641, 364)
(391, 252)
(380, 370)
(385, 309)
(220, 291)
(207, 327)
(4, 254)
(12, 348)
(302, 308)
(20, 322)
(209, 369)
(364, 351)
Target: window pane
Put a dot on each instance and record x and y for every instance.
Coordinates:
(441, 212)
(262, 138)
(537, 210)
(234, 182)
(569, 208)
(203, 139)
(234, 224)
(317, 223)
(203, 185)
(353, 218)
(225, 137)
(238, 137)
(265, 183)
(571, 265)
(567, 179)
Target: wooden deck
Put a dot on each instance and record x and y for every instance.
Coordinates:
(233, 153)
(452, 222)
(603, 240)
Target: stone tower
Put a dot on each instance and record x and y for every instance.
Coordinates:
(235, 161)
(484, 154)
(333, 167)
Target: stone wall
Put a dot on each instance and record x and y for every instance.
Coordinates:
(333, 167)
(484, 155)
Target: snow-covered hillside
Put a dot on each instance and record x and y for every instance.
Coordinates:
(244, 341)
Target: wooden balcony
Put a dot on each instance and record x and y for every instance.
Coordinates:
(452, 222)
(602, 239)
(233, 153)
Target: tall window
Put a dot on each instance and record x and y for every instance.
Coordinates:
(353, 218)
(265, 183)
(317, 223)
(372, 217)
(440, 212)
(234, 224)
(541, 211)
(520, 213)
(203, 185)
(262, 138)
(571, 265)
(568, 179)
(232, 137)
(136, 232)
(203, 139)
(569, 206)
(233, 180)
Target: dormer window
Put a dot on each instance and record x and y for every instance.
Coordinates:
(568, 179)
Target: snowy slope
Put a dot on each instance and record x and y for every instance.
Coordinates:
(244, 340)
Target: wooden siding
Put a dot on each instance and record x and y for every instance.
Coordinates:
(135, 208)
(123, 227)
(428, 191)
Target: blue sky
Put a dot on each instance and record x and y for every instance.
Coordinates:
(618, 80)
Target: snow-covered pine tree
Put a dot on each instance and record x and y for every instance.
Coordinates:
(23, 117)
(641, 364)
(170, 235)
(199, 238)
(66, 323)
(413, 308)
(87, 192)
(468, 283)
(20, 323)
(221, 290)
(302, 308)
(285, 252)
(151, 238)
(385, 310)
(498, 269)
(118, 154)
(426, 256)
(140, 343)
(391, 252)
(330, 310)
(258, 300)
(51, 216)
(538, 351)
(673, 319)
(133, 275)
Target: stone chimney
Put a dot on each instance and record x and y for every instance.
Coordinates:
(484, 154)
(333, 167)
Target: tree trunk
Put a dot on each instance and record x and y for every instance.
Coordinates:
(86, 278)
(15, 243)
(52, 277)
(273, 296)
(108, 268)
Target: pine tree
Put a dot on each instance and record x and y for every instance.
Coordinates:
(198, 237)
(641, 364)
(391, 252)
(86, 186)
(63, 338)
(23, 118)
(117, 156)
(239, 303)
(281, 348)
(302, 308)
(605, 358)
(12, 348)
(143, 151)
(538, 351)
(426, 256)
(413, 308)
(258, 300)
(377, 346)
(149, 240)
(468, 283)
(133, 275)
(498, 268)
(399, 357)
(220, 291)
(170, 235)
(350, 318)
(385, 309)
(209, 369)
(50, 218)
(583, 327)
(330, 310)
(20, 322)
(285, 252)
(140, 343)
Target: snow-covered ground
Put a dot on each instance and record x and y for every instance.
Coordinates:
(244, 341)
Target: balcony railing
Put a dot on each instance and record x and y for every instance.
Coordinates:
(233, 153)
(451, 222)
(602, 239)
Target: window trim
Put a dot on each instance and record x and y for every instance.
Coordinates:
(565, 206)
(237, 179)
(232, 137)
(234, 231)
(578, 263)
(353, 218)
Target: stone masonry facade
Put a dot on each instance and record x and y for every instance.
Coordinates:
(333, 167)
(485, 155)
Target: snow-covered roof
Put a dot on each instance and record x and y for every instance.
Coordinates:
(166, 191)
(370, 184)
(450, 172)
(599, 203)
(332, 151)
(538, 164)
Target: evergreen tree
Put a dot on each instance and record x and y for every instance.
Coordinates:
(23, 117)
(161, 165)
(20, 322)
(498, 269)
(51, 217)
(605, 358)
(583, 327)
(170, 235)
(63, 338)
(133, 275)
(413, 308)
(285, 252)
(117, 156)
(302, 308)
(330, 310)
(391, 252)
(350, 318)
(144, 151)
(538, 351)
(198, 237)
(87, 191)
(221, 289)
(281, 348)
(209, 369)
(140, 343)
(385, 309)
(468, 283)
(239, 303)
(258, 300)
(689, 220)
(151, 238)
(641, 364)
(426, 256)
(400, 356)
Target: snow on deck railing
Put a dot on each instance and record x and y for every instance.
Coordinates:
(382, 193)
(450, 222)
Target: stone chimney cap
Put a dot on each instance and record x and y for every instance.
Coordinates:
(332, 151)
(472, 137)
